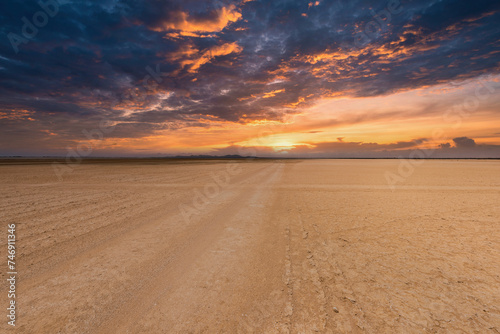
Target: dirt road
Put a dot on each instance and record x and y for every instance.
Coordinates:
(255, 247)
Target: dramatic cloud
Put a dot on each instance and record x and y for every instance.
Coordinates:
(213, 21)
(444, 145)
(464, 142)
(153, 65)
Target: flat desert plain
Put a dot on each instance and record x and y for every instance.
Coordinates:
(254, 246)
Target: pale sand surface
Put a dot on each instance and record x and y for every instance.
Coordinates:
(286, 247)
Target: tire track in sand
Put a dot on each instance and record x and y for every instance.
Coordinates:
(156, 288)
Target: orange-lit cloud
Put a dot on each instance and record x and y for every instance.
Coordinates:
(182, 21)
(312, 4)
(17, 114)
(196, 60)
(273, 93)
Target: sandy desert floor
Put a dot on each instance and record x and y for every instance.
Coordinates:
(257, 246)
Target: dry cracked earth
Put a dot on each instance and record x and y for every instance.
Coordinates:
(262, 246)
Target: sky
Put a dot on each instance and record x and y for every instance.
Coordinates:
(281, 78)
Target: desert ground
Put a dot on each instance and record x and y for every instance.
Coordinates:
(254, 246)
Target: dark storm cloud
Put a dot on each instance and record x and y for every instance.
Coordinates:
(444, 145)
(237, 61)
(464, 142)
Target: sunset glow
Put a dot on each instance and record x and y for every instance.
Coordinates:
(317, 79)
